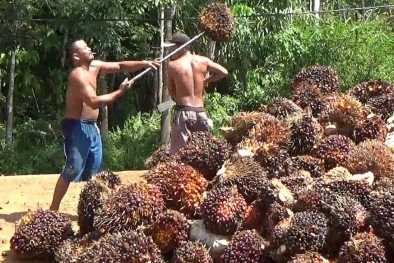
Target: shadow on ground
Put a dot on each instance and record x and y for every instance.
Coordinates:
(13, 217)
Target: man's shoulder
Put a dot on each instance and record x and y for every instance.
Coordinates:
(96, 63)
(201, 58)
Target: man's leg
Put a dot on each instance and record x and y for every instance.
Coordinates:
(95, 157)
(202, 123)
(179, 132)
(76, 149)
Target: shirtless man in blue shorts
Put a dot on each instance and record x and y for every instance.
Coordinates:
(82, 140)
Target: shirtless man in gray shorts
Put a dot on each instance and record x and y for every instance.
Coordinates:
(186, 82)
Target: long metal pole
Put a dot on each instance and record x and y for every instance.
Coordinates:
(167, 57)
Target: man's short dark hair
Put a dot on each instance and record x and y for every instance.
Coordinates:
(71, 50)
(179, 39)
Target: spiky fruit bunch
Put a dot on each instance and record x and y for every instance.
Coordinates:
(217, 21)
(310, 257)
(274, 191)
(161, 155)
(381, 218)
(373, 156)
(369, 89)
(363, 247)
(333, 150)
(182, 186)
(345, 113)
(356, 186)
(223, 210)
(308, 95)
(303, 232)
(72, 248)
(282, 108)
(245, 173)
(90, 200)
(191, 252)
(298, 182)
(240, 126)
(382, 105)
(384, 185)
(275, 214)
(205, 153)
(346, 214)
(247, 244)
(337, 173)
(111, 179)
(305, 132)
(253, 218)
(372, 128)
(275, 160)
(270, 130)
(39, 233)
(324, 77)
(123, 246)
(129, 207)
(313, 165)
(255, 125)
(248, 147)
(169, 230)
(312, 199)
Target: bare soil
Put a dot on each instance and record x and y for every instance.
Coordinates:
(20, 193)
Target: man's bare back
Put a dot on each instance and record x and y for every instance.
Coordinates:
(186, 82)
(187, 78)
(75, 107)
(188, 74)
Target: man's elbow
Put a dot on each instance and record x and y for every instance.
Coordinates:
(94, 104)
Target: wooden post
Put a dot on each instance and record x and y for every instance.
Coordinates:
(166, 116)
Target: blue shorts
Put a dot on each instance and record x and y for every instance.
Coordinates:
(82, 149)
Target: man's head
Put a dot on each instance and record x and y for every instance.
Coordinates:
(79, 53)
(175, 42)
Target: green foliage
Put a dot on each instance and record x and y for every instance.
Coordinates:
(128, 147)
(267, 51)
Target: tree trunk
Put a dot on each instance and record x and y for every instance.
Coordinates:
(166, 116)
(316, 7)
(110, 111)
(1, 86)
(104, 110)
(10, 98)
(64, 55)
(160, 77)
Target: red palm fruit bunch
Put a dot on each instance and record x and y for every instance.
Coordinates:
(260, 126)
(333, 150)
(129, 207)
(281, 108)
(39, 233)
(371, 128)
(182, 186)
(204, 152)
(223, 210)
(160, 155)
(170, 228)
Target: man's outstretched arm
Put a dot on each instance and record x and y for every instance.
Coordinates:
(219, 72)
(124, 66)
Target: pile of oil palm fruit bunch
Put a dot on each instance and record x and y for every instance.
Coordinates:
(308, 178)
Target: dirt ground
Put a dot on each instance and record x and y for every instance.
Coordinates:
(20, 193)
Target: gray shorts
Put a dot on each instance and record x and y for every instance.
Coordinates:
(187, 119)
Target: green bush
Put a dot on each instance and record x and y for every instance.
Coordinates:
(37, 149)
(358, 51)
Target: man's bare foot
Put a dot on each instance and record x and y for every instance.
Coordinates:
(60, 190)
(55, 209)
